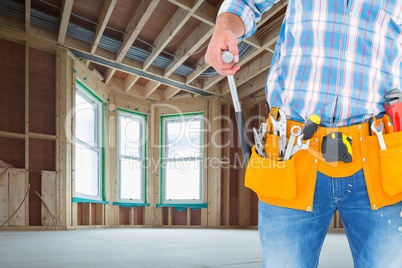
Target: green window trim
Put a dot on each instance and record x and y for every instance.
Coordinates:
(103, 131)
(145, 117)
(181, 207)
(87, 200)
(178, 205)
(131, 205)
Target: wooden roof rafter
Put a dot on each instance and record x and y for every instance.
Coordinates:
(170, 30)
(65, 18)
(27, 16)
(104, 16)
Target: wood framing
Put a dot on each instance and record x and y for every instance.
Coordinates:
(49, 197)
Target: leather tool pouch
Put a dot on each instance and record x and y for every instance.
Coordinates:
(383, 169)
(281, 183)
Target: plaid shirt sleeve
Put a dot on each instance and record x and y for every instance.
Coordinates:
(249, 11)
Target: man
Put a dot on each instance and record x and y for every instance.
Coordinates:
(336, 59)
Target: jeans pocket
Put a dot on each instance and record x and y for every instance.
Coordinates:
(391, 171)
(269, 177)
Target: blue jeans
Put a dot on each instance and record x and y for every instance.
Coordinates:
(293, 238)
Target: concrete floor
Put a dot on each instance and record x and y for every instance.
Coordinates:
(143, 248)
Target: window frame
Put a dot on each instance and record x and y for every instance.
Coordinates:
(89, 96)
(143, 118)
(163, 136)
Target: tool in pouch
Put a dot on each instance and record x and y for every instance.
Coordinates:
(259, 139)
(336, 146)
(393, 108)
(300, 134)
(377, 127)
(227, 57)
(278, 123)
(392, 119)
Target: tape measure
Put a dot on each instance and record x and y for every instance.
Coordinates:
(337, 146)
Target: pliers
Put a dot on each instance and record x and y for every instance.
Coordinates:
(279, 129)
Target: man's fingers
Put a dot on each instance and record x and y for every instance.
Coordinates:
(230, 71)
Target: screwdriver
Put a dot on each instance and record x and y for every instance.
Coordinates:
(305, 133)
(389, 127)
(310, 126)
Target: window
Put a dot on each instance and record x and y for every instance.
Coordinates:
(88, 164)
(132, 157)
(182, 158)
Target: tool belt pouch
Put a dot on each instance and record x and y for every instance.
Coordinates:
(287, 183)
(383, 168)
(269, 177)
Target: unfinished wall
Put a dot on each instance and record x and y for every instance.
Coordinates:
(27, 116)
(12, 108)
(37, 94)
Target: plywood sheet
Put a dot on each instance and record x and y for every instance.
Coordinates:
(17, 186)
(3, 196)
(49, 197)
(179, 217)
(124, 216)
(12, 89)
(42, 156)
(42, 92)
(138, 216)
(13, 152)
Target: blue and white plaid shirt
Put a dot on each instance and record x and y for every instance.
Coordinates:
(334, 58)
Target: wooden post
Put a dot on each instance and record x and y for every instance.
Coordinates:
(112, 212)
(213, 165)
(155, 191)
(227, 124)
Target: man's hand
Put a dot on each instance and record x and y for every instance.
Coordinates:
(228, 28)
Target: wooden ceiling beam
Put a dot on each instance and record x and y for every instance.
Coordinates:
(157, 95)
(170, 92)
(174, 25)
(103, 19)
(108, 75)
(130, 81)
(253, 85)
(245, 74)
(119, 85)
(198, 37)
(27, 16)
(65, 18)
(136, 24)
(150, 88)
(207, 13)
(201, 67)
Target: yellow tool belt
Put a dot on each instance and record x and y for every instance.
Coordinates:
(291, 183)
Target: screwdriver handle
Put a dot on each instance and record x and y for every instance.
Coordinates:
(389, 127)
(310, 127)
